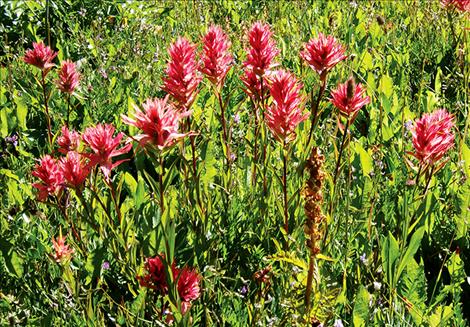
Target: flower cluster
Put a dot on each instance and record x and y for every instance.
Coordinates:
(73, 169)
(68, 77)
(313, 201)
(260, 59)
(432, 136)
(186, 279)
(104, 147)
(182, 77)
(40, 56)
(62, 252)
(285, 113)
(462, 5)
(349, 99)
(159, 122)
(216, 59)
(323, 53)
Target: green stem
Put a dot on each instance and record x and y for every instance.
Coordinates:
(314, 107)
(46, 106)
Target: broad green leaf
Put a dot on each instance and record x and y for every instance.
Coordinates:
(361, 307)
(386, 85)
(390, 254)
(366, 160)
(411, 249)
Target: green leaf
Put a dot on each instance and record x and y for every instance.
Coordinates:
(390, 254)
(366, 160)
(415, 242)
(386, 85)
(361, 307)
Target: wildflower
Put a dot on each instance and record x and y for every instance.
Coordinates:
(74, 169)
(216, 59)
(377, 286)
(188, 286)
(104, 146)
(68, 77)
(283, 116)
(159, 121)
(105, 265)
(50, 175)
(62, 252)
(323, 53)
(155, 278)
(68, 140)
(338, 323)
(263, 49)
(349, 98)
(253, 85)
(182, 76)
(432, 136)
(40, 56)
(462, 5)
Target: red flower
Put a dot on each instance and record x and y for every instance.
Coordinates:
(323, 53)
(155, 278)
(68, 77)
(462, 5)
(263, 49)
(159, 121)
(104, 146)
(285, 113)
(74, 169)
(188, 286)
(432, 136)
(253, 85)
(216, 59)
(182, 75)
(62, 252)
(50, 175)
(40, 56)
(68, 140)
(349, 99)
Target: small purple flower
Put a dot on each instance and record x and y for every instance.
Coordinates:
(12, 140)
(236, 119)
(363, 259)
(105, 265)
(244, 290)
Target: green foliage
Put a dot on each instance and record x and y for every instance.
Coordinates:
(395, 248)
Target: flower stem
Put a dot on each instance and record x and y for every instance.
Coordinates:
(284, 188)
(315, 106)
(46, 106)
(224, 127)
(308, 291)
(160, 179)
(68, 110)
(338, 162)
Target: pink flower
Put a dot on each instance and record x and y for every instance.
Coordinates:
(68, 77)
(285, 113)
(74, 169)
(253, 87)
(323, 53)
(50, 175)
(182, 75)
(349, 99)
(432, 136)
(155, 278)
(159, 121)
(188, 286)
(62, 252)
(462, 5)
(40, 56)
(216, 59)
(263, 49)
(68, 140)
(104, 146)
